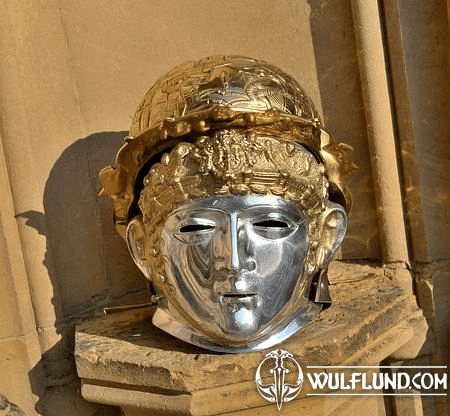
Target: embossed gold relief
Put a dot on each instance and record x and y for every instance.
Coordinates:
(232, 199)
(231, 163)
(220, 93)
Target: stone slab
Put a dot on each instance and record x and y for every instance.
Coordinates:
(124, 360)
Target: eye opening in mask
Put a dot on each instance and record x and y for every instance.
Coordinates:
(271, 224)
(192, 228)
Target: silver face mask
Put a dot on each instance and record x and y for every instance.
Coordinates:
(236, 261)
(237, 271)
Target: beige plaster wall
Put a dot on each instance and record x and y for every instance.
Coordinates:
(343, 111)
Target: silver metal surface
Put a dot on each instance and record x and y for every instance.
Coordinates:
(235, 263)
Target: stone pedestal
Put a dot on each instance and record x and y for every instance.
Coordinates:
(123, 360)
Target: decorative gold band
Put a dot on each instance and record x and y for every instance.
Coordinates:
(232, 162)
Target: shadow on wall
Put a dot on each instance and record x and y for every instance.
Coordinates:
(88, 264)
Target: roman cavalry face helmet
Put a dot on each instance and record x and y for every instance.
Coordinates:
(232, 198)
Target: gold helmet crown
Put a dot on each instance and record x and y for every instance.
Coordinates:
(216, 93)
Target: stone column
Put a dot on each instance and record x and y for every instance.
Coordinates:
(19, 341)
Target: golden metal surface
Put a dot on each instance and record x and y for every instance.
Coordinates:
(234, 163)
(220, 93)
